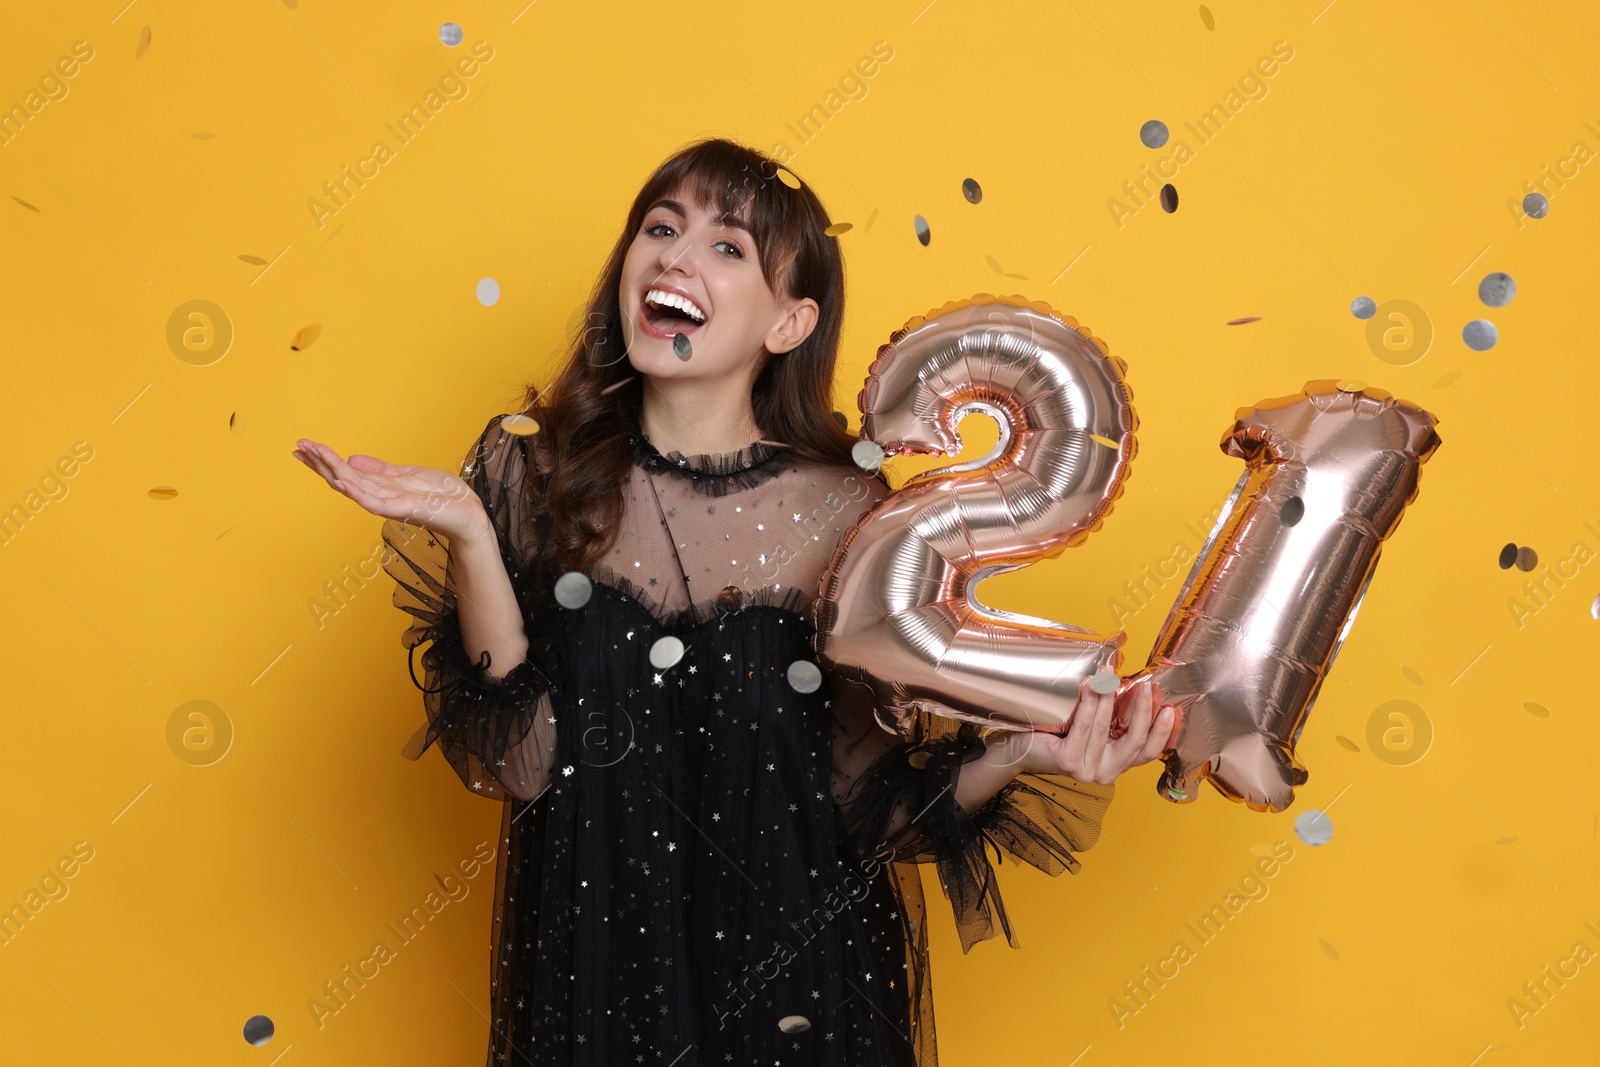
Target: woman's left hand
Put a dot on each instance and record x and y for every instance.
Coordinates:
(1086, 753)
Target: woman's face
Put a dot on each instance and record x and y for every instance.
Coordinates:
(681, 249)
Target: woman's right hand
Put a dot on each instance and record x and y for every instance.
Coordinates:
(426, 497)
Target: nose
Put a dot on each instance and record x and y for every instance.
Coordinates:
(677, 255)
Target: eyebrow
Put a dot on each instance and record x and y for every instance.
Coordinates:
(721, 218)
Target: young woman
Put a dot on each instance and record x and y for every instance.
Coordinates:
(702, 862)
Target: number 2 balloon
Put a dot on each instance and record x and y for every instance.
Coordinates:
(1254, 629)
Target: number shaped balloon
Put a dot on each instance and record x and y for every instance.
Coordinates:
(1329, 471)
(1253, 631)
(897, 609)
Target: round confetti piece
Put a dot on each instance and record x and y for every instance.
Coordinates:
(521, 425)
(918, 760)
(1537, 710)
(1527, 558)
(867, 454)
(1536, 206)
(450, 34)
(1293, 510)
(1497, 289)
(1594, 609)
(1153, 133)
(258, 1030)
(1351, 385)
(1411, 675)
(1363, 307)
(842, 420)
(665, 652)
(788, 179)
(681, 347)
(1347, 743)
(1104, 682)
(1169, 198)
(1333, 953)
(1480, 335)
(573, 590)
(837, 228)
(971, 190)
(1206, 18)
(794, 1024)
(1243, 321)
(923, 233)
(1313, 827)
(488, 292)
(804, 676)
(1508, 556)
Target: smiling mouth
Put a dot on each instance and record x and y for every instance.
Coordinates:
(667, 318)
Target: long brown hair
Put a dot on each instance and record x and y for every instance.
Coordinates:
(583, 454)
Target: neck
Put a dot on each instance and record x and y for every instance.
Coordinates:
(695, 416)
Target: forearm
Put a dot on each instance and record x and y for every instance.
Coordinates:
(486, 603)
(1001, 762)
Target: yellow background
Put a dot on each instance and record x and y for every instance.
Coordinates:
(1380, 162)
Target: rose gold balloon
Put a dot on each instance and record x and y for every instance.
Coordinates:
(1275, 589)
(897, 609)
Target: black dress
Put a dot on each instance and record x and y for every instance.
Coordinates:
(702, 862)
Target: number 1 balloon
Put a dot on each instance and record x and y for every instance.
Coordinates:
(897, 609)
(1271, 596)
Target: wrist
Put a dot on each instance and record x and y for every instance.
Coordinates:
(1013, 750)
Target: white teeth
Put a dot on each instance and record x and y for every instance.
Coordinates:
(659, 296)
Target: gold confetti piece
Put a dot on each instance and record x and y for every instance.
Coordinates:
(1205, 18)
(794, 1024)
(254, 261)
(1241, 322)
(870, 220)
(203, 136)
(917, 759)
(25, 204)
(1538, 710)
(163, 492)
(788, 179)
(291, 4)
(521, 425)
(1108, 442)
(837, 228)
(1411, 676)
(614, 386)
(1019, 277)
(786, 261)
(994, 264)
(1332, 952)
(144, 42)
(305, 337)
(1347, 743)
(236, 423)
(1527, 558)
(1448, 379)
(774, 444)
(1352, 385)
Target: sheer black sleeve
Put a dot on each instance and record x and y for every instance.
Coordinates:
(898, 793)
(497, 733)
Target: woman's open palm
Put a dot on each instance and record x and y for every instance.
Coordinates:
(431, 498)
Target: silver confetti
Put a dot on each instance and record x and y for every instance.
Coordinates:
(573, 590)
(1497, 289)
(1363, 307)
(1104, 682)
(1153, 133)
(923, 233)
(794, 1024)
(1480, 335)
(867, 454)
(665, 652)
(680, 346)
(1313, 827)
(1536, 205)
(804, 676)
(971, 190)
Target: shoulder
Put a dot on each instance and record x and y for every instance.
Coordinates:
(845, 492)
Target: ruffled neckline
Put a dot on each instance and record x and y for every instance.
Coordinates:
(714, 473)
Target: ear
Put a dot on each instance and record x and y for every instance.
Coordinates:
(799, 319)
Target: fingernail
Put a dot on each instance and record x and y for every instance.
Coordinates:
(1166, 713)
